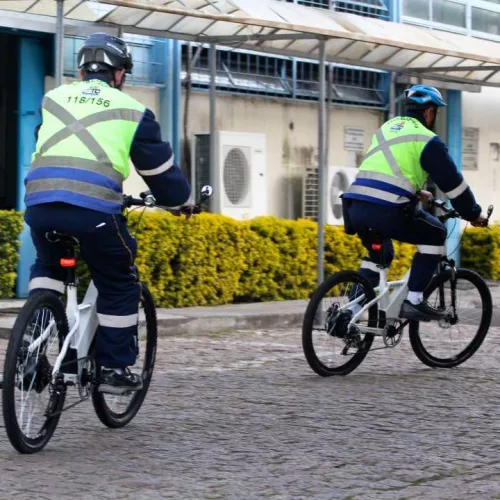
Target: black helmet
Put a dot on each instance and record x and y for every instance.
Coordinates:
(102, 51)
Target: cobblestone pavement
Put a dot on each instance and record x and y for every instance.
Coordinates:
(243, 416)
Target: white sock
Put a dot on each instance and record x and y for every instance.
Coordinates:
(415, 297)
(118, 371)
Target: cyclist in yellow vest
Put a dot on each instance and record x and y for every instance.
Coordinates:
(382, 201)
(89, 131)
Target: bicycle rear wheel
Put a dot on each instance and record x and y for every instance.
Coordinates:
(117, 411)
(329, 348)
(30, 403)
(451, 342)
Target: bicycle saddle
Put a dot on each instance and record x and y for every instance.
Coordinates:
(58, 237)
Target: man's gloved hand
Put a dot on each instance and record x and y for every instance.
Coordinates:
(480, 222)
(424, 196)
(185, 209)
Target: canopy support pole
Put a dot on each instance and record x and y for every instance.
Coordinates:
(59, 42)
(321, 161)
(392, 95)
(213, 125)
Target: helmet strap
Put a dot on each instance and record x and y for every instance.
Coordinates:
(433, 124)
(119, 87)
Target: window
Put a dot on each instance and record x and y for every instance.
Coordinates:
(416, 8)
(454, 13)
(367, 8)
(446, 12)
(250, 73)
(486, 21)
(140, 48)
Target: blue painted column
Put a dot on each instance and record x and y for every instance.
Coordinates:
(395, 8)
(176, 99)
(167, 55)
(163, 58)
(31, 91)
(454, 132)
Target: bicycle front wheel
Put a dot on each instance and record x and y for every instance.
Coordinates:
(451, 342)
(330, 346)
(31, 404)
(117, 411)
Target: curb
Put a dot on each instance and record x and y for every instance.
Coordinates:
(184, 325)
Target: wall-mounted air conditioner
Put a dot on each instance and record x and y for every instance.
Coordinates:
(339, 180)
(240, 177)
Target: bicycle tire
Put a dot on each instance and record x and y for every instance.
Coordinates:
(307, 327)
(105, 414)
(17, 438)
(484, 325)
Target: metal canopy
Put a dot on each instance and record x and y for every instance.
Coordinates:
(280, 28)
(293, 30)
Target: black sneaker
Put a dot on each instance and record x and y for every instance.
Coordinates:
(420, 312)
(119, 383)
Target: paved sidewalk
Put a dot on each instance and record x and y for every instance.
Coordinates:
(192, 320)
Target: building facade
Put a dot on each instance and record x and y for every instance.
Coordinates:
(256, 94)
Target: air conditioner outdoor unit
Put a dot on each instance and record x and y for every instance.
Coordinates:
(339, 179)
(240, 177)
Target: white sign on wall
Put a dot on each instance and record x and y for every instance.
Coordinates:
(470, 145)
(354, 139)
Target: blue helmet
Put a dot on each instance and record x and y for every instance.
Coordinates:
(423, 96)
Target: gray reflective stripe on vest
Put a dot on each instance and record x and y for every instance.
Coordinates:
(78, 127)
(80, 164)
(385, 147)
(377, 193)
(401, 182)
(78, 187)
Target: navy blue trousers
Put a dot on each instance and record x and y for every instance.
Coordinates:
(109, 251)
(421, 229)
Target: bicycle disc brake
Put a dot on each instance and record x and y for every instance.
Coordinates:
(393, 333)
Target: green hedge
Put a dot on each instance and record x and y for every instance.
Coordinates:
(481, 251)
(11, 224)
(213, 259)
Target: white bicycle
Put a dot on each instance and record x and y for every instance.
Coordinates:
(346, 313)
(51, 349)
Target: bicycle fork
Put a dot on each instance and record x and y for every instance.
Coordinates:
(453, 288)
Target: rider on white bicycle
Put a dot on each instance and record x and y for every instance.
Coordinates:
(382, 201)
(89, 132)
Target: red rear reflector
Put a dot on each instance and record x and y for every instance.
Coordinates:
(68, 262)
(376, 246)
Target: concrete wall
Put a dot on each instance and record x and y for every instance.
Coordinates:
(291, 129)
(482, 110)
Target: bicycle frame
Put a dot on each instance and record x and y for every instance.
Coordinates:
(389, 304)
(83, 322)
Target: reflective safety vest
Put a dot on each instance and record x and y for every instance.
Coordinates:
(391, 172)
(83, 148)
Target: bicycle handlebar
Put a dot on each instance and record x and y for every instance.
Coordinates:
(148, 200)
(450, 213)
